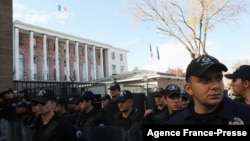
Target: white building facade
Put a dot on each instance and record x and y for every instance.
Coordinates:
(49, 55)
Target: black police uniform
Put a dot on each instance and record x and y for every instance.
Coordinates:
(112, 109)
(151, 118)
(240, 99)
(226, 112)
(10, 109)
(58, 129)
(163, 117)
(132, 125)
(92, 118)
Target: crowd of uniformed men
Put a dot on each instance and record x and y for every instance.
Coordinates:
(201, 101)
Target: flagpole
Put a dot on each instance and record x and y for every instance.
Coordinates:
(158, 59)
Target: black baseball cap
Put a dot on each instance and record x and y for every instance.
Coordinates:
(114, 86)
(199, 65)
(25, 91)
(87, 95)
(124, 95)
(184, 94)
(105, 97)
(8, 90)
(22, 104)
(44, 95)
(61, 100)
(242, 71)
(73, 100)
(172, 89)
(159, 92)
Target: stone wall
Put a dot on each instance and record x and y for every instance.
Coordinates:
(6, 44)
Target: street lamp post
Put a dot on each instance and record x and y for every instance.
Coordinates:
(72, 85)
(114, 77)
(72, 78)
(145, 80)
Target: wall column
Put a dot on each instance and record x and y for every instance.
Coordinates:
(45, 66)
(67, 61)
(101, 59)
(57, 60)
(77, 62)
(86, 61)
(16, 53)
(31, 55)
(94, 63)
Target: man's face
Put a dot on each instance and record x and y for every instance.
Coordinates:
(114, 92)
(124, 106)
(207, 89)
(173, 102)
(104, 103)
(238, 86)
(45, 108)
(159, 100)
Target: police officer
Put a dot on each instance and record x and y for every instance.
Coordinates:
(48, 126)
(173, 101)
(24, 114)
(160, 106)
(90, 116)
(10, 104)
(204, 82)
(61, 109)
(240, 83)
(2, 105)
(105, 99)
(184, 98)
(112, 107)
(127, 118)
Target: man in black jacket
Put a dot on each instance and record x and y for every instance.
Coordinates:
(48, 126)
(204, 82)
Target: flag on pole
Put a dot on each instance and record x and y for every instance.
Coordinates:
(151, 53)
(60, 8)
(64, 8)
(158, 54)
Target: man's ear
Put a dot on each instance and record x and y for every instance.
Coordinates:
(187, 88)
(246, 83)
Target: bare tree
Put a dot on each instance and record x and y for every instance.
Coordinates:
(188, 21)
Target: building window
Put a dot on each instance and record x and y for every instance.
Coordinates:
(92, 72)
(35, 67)
(121, 69)
(34, 42)
(83, 51)
(91, 53)
(74, 50)
(84, 69)
(121, 57)
(47, 44)
(34, 59)
(21, 40)
(99, 55)
(113, 56)
(113, 68)
(22, 74)
(48, 61)
(64, 48)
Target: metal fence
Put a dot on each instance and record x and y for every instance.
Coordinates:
(64, 89)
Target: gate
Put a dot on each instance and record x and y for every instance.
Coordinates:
(64, 89)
